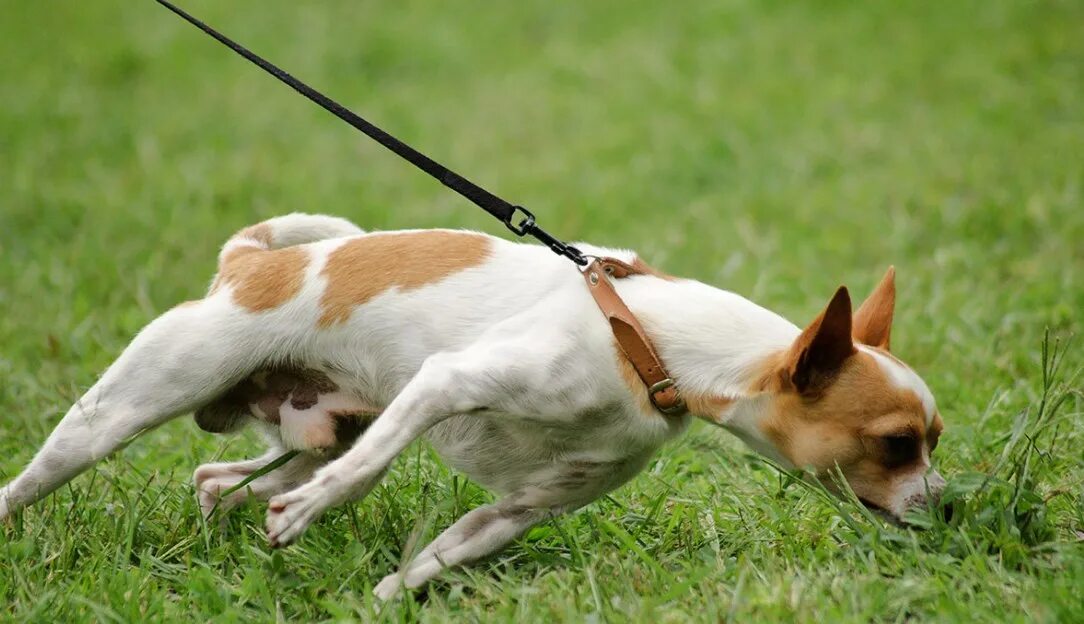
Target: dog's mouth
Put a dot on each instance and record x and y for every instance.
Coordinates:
(881, 512)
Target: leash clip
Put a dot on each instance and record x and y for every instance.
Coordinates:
(526, 225)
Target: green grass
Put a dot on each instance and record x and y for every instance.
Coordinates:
(774, 149)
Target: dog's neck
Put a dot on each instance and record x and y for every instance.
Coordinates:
(714, 343)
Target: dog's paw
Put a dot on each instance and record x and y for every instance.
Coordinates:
(211, 501)
(289, 514)
(389, 588)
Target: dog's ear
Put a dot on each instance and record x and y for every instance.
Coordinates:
(822, 348)
(873, 320)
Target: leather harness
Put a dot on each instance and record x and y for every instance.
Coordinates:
(630, 335)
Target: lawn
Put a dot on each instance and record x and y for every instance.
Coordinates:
(770, 148)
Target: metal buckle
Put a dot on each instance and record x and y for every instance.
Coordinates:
(676, 408)
(525, 225)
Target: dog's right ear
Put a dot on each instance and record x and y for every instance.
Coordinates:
(873, 320)
(822, 348)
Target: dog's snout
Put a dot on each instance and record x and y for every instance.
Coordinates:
(935, 482)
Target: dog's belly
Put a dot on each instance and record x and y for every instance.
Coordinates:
(559, 465)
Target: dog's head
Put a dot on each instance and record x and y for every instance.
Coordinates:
(838, 398)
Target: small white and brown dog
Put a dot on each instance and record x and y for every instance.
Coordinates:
(350, 345)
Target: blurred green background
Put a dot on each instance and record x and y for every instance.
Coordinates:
(771, 148)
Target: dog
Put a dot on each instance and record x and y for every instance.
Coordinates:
(348, 346)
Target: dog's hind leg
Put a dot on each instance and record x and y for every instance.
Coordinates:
(213, 479)
(179, 361)
(479, 533)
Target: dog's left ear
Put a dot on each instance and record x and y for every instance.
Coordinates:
(873, 320)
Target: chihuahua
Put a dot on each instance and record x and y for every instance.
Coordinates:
(348, 346)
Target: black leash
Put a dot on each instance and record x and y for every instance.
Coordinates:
(516, 218)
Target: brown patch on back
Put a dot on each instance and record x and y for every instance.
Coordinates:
(263, 279)
(366, 266)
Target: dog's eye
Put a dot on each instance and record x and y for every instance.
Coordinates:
(900, 449)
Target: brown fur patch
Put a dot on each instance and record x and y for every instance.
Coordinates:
(263, 279)
(772, 374)
(706, 406)
(309, 386)
(366, 266)
(933, 434)
(632, 380)
(843, 425)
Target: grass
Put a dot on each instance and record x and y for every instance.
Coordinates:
(774, 149)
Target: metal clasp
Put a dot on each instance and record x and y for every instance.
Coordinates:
(525, 225)
(656, 388)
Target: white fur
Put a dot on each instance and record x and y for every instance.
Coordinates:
(904, 377)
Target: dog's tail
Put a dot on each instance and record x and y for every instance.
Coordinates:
(286, 231)
(293, 229)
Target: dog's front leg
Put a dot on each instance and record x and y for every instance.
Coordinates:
(446, 384)
(479, 533)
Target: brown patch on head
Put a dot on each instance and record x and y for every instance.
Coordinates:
(262, 279)
(771, 374)
(366, 266)
(873, 320)
(872, 429)
(933, 433)
(832, 405)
